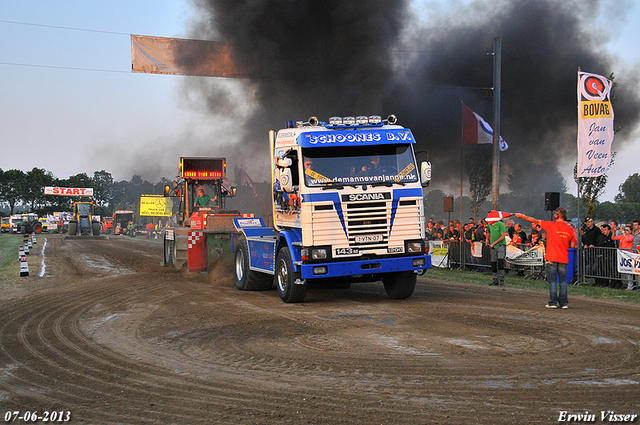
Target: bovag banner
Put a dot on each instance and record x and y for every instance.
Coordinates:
(595, 124)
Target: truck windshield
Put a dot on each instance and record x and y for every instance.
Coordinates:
(351, 165)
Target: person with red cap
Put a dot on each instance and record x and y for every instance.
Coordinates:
(560, 237)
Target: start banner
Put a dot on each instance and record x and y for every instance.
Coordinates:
(595, 124)
(69, 191)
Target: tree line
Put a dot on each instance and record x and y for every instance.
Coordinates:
(24, 191)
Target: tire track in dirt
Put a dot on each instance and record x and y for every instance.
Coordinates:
(159, 346)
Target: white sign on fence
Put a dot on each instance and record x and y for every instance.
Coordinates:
(439, 254)
(628, 262)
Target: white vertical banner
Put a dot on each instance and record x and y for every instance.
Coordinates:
(595, 124)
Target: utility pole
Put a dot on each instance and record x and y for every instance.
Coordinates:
(497, 65)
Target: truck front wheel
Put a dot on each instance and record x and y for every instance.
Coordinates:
(399, 285)
(289, 291)
(246, 279)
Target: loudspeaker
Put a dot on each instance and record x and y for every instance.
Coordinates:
(551, 201)
(448, 204)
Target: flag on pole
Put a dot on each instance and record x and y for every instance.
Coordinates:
(494, 216)
(245, 180)
(476, 130)
(595, 124)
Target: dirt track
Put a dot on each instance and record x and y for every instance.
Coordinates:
(114, 338)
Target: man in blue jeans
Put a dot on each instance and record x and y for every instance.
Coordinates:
(560, 237)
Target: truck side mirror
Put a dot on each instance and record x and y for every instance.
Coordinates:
(285, 162)
(425, 173)
(167, 190)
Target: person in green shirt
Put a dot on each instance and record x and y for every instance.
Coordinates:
(498, 245)
(202, 200)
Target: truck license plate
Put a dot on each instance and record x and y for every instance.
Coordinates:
(347, 251)
(368, 238)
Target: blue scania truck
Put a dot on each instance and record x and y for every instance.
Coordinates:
(347, 207)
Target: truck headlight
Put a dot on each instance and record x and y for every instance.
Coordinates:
(319, 254)
(414, 247)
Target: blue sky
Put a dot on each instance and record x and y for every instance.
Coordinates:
(70, 103)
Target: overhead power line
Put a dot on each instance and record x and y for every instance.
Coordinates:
(69, 29)
(64, 67)
(62, 28)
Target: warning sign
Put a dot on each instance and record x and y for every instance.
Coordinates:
(155, 206)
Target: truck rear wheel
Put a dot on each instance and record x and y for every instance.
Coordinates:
(399, 285)
(289, 291)
(168, 253)
(37, 228)
(246, 279)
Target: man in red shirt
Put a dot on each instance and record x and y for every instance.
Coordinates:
(560, 237)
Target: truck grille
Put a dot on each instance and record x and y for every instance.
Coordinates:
(366, 220)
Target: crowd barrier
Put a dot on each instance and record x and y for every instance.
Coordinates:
(613, 267)
(599, 265)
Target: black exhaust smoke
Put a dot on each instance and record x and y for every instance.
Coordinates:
(330, 57)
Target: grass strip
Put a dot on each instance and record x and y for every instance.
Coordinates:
(513, 280)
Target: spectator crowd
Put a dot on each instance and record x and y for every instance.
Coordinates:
(600, 243)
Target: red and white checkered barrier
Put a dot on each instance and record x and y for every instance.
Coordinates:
(193, 238)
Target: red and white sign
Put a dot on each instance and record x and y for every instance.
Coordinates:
(197, 222)
(69, 191)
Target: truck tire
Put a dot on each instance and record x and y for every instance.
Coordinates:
(168, 253)
(248, 280)
(37, 228)
(73, 228)
(289, 291)
(23, 229)
(95, 228)
(180, 248)
(399, 285)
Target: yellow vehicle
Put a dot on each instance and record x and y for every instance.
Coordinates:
(5, 224)
(44, 223)
(84, 221)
